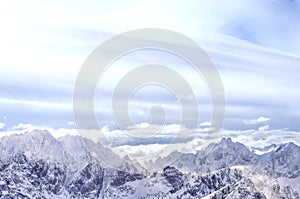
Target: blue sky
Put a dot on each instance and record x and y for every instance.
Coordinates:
(254, 44)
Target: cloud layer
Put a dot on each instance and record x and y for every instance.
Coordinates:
(191, 140)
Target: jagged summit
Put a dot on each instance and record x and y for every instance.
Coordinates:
(226, 140)
(291, 146)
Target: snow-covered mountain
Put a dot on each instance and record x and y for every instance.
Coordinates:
(37, 165)
(216, 156)
(283, 162)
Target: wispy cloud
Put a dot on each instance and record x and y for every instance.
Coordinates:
(42, 54)
(258, 120)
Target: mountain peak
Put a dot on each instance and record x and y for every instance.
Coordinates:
(39, 134)
(287, 147)
(291, 145)
(283, 162)
(226, 141)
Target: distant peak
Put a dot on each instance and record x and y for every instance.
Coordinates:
(291, 145)
(226, 140)
(287, 146)
(38, 133)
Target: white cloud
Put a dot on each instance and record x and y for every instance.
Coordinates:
(264, 128)
(258, 120)
(251, 138)
(143, 125)
(205, 124)
(71, 123)
(2, 125)
(141, 149)
(22, 126)
(144, 133)
(260, 139)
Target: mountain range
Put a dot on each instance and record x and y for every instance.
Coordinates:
(37, 165)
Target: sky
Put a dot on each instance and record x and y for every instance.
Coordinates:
(254, 45)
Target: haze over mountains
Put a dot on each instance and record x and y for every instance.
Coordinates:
(37, 165)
